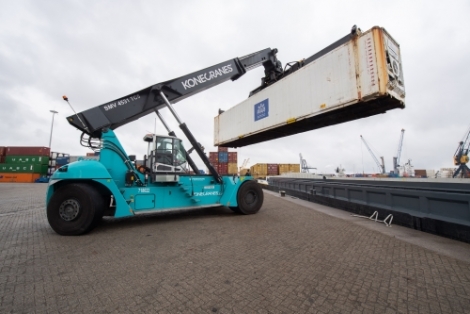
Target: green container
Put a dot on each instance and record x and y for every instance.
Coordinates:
(39, 160)
(23, 168)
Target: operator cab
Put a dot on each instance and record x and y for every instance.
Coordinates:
(166, 154)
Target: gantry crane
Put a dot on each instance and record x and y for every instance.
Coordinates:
(381, 166)
(461, 157)
(303, 165)
(245, 162)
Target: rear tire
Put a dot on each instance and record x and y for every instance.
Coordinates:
(75, 209)
(250, 198)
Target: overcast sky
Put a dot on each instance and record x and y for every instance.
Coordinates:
(97, 51)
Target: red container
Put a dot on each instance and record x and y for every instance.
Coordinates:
(222, 149)
(2, 150)
(214, 157)
(273, 169)
(232, 157)
(27, 151)
(2, 159)
(222, 169)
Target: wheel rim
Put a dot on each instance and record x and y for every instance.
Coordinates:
(250, 198)
(69, 210)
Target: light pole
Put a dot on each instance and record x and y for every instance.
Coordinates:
(52, 126)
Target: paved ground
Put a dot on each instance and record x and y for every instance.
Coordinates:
(288, 258)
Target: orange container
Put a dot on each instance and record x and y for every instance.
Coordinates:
(19, 177)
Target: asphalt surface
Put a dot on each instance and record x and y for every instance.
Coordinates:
(291, 257)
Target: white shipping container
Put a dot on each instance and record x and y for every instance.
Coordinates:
(356, 77)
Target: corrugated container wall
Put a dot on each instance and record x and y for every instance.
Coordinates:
(259, 170)
(19, 177)
(23, 168)
(2, 159)
(223, 157)
(27, 151)
(232, 168)
(2, 150)
(222, 149)
(272, 169)
(41, 160)
(358, 76)
(286, 168)
(223, 168)
(233, 157)
(214, 157)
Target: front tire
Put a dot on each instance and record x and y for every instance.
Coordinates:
(250, 198)
(75, 209)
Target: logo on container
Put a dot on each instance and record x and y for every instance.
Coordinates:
(262, 110)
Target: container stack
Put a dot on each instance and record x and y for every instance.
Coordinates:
(56, 161)
(23, 164)
(223, 161)
(265, 170)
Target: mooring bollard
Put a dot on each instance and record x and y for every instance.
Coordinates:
(283, 193)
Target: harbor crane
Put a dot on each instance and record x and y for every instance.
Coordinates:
(396, 160)
(381, 166)
(245, 162)
(304, 166)
(461, 157)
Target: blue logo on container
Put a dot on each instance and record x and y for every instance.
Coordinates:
(262, 110)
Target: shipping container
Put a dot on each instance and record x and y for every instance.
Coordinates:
(55, 155)
(356, 77)
(222, 149)
(27, 151)
(218, 168)
(272, 169)
(223, 157)
(289, 168)
(2, 159)
(19, 177)
(430, 173)
(222, 168)
(259, 170)
(23, 168)
(232, 168)
(421, 173)
(90, 154)
(2, 150)
(233, 157)
(41, 160)
(60, 161)
(214, 157)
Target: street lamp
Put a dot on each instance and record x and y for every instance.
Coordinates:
(52, 126)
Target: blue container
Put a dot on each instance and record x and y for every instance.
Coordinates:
(61, 161)
(223, 157)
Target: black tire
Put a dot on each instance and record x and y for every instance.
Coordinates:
(250, 198)
(75, 209)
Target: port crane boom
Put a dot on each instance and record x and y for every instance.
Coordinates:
(396, 160)
(303, 165)
(381, 166)
(461, 157)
